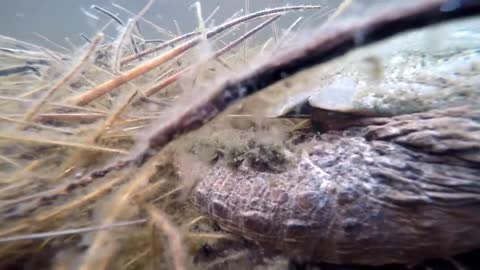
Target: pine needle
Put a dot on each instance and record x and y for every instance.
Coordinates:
(228, 24)
(164, 83)
(10, 161)
(42, 141)
(40, 126)
(29, 115)
(54, 213)
(175, 242)
(52, 234)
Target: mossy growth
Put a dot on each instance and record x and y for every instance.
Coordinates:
(236, 148)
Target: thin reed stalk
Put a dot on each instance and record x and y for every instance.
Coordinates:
(141, 18)
(125, 77)
(29, 115)
(113, 117)
(218, 29)
(68, 117)
(212, 14)
(119, 45)
(10, 161)
(51, 42)
(41, 141)
(175, 242)
(340, 9)
(126, 33)
(173, 78)
(44, 127)
(56, 212)
(35, 236)
(104, 244)
(109, 14)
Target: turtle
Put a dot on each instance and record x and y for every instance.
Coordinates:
(387, 178)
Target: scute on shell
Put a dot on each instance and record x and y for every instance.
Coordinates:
(394, 78)
(339, 96)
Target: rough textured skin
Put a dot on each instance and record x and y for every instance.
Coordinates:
(389, 190)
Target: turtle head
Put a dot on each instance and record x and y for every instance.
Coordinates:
(329, 107)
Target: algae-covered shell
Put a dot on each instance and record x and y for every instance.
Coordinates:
(413, 73)
(383, 184)
(397, 183)
(408, 83)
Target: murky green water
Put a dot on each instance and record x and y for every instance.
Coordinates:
(58, 19)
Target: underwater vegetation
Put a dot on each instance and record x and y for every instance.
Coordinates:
(351, 137)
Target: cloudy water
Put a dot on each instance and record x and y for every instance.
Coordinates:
(57, 19)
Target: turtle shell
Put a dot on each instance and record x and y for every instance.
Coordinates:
(389, 80)
(449, 81)
(396, 189)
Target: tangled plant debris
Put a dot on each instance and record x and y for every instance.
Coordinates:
(82, 188)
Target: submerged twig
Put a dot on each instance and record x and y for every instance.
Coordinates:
(19, 69)
(286, 35)
(135, 259)
(340, 9)
(134, 22)
(163, 223)
(119, 44)
(171, 79)
(220, 28)
(201, 23)
(10, 161)
(62, 209)
(29, 115)
(275, 33)
(41, 141)
(159, 29)
(265, 46)
(177, 27)
(125, 77)
(50, 42)
(44, 235)
(70, 116)
(17, 179)
(194, 221)
(82, 35)
(163, 45)
(245, 27)
(113, 116)
(109, 14)
(215, 236)
(154, 41)
(21, 43)
(212, 14)
(33, 91)
(231, 257)
(61, 105)
(123, 198)
(44, 127)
